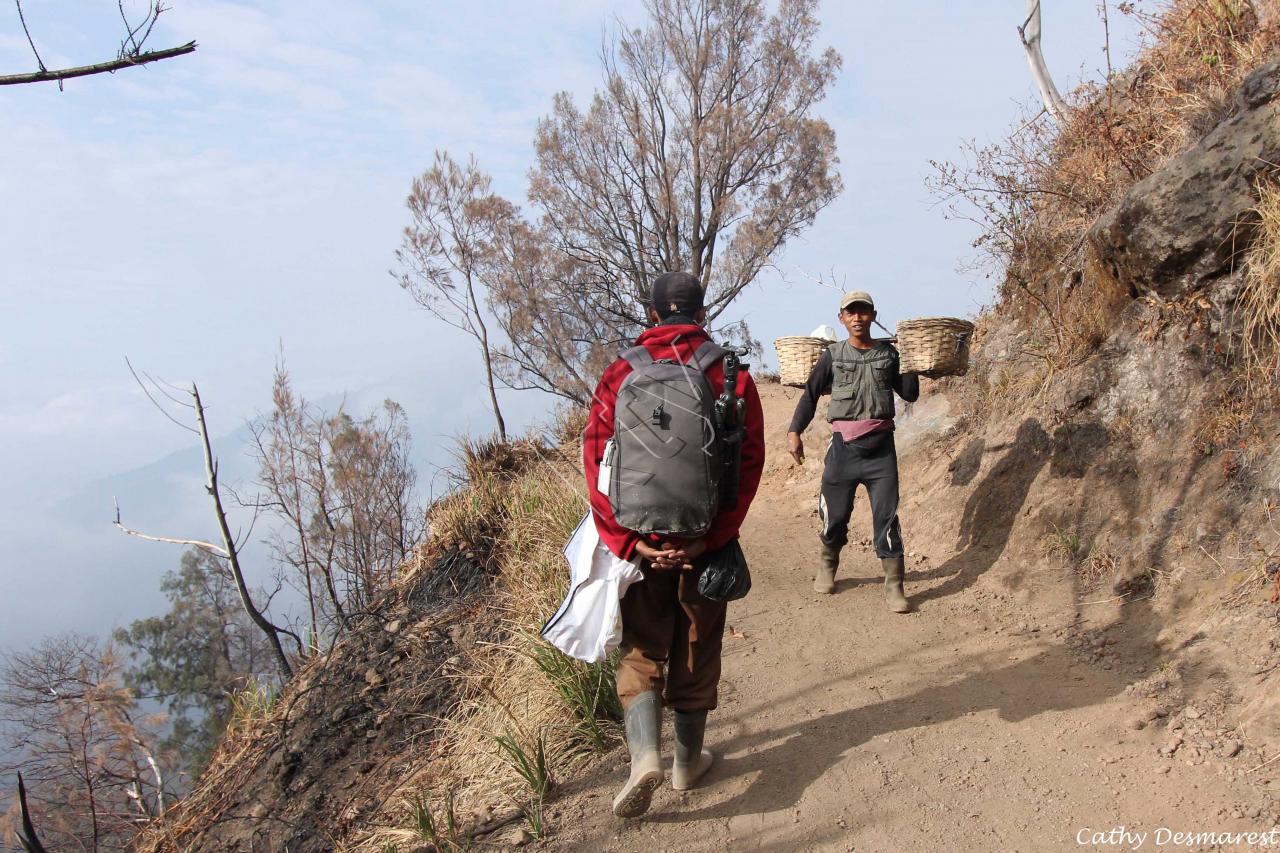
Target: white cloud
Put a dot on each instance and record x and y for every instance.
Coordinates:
(109, 408)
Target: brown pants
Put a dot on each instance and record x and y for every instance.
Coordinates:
(666, 622)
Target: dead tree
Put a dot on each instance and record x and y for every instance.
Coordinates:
(129, 55)
(701, 151)
(455, 217)
(229, 550)
(1029, 33)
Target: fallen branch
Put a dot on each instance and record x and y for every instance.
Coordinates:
(495, 824)
(1221, 571)
(111, 67)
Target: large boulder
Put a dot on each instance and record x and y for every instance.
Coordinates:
(1186, 224)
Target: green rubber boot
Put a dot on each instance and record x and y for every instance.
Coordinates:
(644, 729)
(825, 581)
(895, 568)
(692, 761)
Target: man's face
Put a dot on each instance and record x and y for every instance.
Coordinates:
(856, 319)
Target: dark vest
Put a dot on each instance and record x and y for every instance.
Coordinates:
(862, 382)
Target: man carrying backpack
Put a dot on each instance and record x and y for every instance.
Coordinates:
(653, 425)
(861, 375)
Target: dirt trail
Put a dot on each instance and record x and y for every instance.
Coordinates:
(998, 715)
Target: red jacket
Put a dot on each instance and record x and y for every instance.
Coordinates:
(676, 341)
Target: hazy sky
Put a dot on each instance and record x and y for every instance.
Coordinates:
(200, 213)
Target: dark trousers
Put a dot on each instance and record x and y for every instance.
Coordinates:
(870, 461)
(671, 640)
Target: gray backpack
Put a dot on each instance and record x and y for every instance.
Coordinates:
(663, 463)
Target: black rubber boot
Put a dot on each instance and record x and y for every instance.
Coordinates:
(825, 581)
(644, 730)
(692, 761)
(895, 569)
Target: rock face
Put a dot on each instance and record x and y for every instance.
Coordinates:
(1183, 226)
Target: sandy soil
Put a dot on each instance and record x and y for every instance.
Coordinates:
(1010, 711)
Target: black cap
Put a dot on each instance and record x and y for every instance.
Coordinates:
(676, 293)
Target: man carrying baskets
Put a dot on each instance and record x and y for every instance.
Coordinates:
(861, 375)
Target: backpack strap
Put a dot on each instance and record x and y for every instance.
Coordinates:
(706, 355)
(637, 356)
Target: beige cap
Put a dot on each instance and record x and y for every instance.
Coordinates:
(856, 296)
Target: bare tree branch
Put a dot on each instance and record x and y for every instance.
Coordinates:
(1029, 33)
(27, 32)
(455, 219)
(271, 631)
(229, 549)
(110, 67)
(203, 546)
(156, 403)
(129, 54)
(73, 734)
(700, 151)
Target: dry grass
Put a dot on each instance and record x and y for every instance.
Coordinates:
(1097, 567)
(519, 518)
(245, 743)
(1090, 563)
(1259, 302)
(570, 422)
(1237, 423)
(1196, 55)
(1255, 575)
(250, 707)
(485, 460)
(1061, 543)
(1122, 428)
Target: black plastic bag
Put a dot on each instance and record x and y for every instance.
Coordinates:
(725, 576)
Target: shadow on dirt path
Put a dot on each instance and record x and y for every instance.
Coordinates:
(989, 719)
(788, 760)
(990, 511)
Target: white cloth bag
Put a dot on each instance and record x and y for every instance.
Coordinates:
(588, 624)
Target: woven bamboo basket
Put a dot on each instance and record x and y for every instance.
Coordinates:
(797, 355)
(937, 346)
